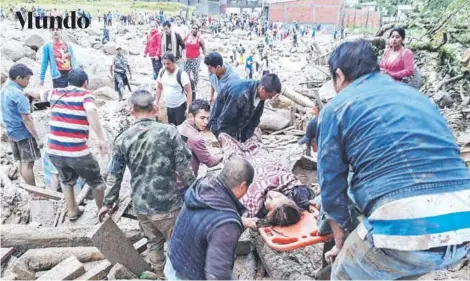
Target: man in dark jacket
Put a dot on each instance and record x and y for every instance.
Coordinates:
(238, 108)
(206, 233)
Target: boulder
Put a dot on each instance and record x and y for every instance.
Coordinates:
(106, 93)
(30, 53)
(34, 42)
(274, 120)
(134, 51)
(110, 48)
(13, 50)
(31, 63)
(97, 45)
(5, 65)
(95, 31)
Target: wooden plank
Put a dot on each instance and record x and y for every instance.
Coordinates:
(46, 193)
(114, 245)
(122, 208)
(6, 253)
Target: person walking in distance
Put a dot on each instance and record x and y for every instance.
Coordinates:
(173, 42)
(59, 55)
(153, 152)
(193, 44)
(175, 85)
(16, 114)
(118, 71)
(153, 49)
(73, 112)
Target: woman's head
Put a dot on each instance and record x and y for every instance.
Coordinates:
(282, 211)
(397, 35)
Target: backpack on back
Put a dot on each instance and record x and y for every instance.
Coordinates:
(178, 79)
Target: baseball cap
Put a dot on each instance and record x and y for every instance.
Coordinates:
(311, 131)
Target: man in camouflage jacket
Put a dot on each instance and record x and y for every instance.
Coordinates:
(153, 152)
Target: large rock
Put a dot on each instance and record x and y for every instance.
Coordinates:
(106, 93)
(13, 50)
(95, 31)
(31, 64)
(134, 51)
(30, 53)
(5, 65)
(34, 42)
(110, 48)
(274, 120)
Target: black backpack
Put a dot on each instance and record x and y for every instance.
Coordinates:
(178, 79)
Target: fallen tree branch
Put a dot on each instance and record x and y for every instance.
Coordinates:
(446, 20)
(450, 80)
(297, 98)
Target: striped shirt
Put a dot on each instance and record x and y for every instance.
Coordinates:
(420, 222)
(69, 125)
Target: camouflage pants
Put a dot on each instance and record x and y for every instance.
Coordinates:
(158, 229)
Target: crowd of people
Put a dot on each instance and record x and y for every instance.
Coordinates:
(379, 155)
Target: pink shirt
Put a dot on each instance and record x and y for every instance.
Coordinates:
(402, 66)
(197, 145)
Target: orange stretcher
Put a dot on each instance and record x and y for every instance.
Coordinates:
(299, 235)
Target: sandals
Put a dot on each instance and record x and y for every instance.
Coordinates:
(81, 209)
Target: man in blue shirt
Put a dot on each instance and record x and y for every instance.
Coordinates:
(16, 114)
(408, 182)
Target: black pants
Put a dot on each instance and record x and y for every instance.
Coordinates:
(62, 81)
(157, 65)
(176, 115)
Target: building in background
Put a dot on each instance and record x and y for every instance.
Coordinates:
(328, 13)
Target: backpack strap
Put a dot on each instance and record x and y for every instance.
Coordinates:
(162, 71)
(178, 78)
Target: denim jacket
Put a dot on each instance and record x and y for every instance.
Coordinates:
(396, 141)
(235, 112)
(48, 57)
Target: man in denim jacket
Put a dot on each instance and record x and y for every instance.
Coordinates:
(409, 181)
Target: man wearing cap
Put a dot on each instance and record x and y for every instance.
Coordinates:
(119, 65)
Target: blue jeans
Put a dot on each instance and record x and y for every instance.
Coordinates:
(360, 260)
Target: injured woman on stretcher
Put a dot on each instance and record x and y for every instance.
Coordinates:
(276, 196)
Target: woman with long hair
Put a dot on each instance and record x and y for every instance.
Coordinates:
(397, 61)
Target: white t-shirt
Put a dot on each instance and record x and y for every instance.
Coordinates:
(172, 92)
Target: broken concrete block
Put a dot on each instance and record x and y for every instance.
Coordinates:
(22, 271)
(68, 269)
(98, 272)
(244, 244)
(11, 276)
(118, 271)
(114, 245)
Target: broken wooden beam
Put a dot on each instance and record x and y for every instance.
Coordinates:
(68, 269)
(122, 207)
(43, 192)
(297, 98)
(46, 258)
(98, 272)
(24, 237)
(6, 253)
(114, 245)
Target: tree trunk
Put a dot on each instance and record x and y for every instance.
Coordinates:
(297, 98)
(26, 237)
